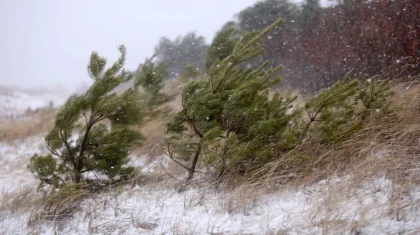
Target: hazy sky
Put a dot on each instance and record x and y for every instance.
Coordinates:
(48, 42)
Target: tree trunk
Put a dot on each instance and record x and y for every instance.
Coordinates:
(191, 170)
(79, 160)
(78, 176)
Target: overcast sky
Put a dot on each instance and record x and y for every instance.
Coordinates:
(48, 42)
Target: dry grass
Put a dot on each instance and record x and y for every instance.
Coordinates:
(388, 148)
(397, 133)
(58, 206)
(241, 200)
(293, 92)
(19, 128)
(153, 130)
(22, 199)
(174, 87)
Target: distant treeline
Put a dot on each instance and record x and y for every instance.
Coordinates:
(319, 45)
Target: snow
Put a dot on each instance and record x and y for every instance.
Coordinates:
(148, 210)
(14, 101)
(14, 158)
(331, 206)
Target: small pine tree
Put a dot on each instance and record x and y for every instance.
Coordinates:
(232, 124)
(230, 120)
(151, 78)
(374, 95)
(331, 112)
(342, 109)
(92, 130)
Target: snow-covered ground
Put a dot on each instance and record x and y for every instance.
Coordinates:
(14, 101)
(145, 210)
(332, 206)
(14, 157)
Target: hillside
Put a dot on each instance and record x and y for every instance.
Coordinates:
(15, 101)
(376, 191)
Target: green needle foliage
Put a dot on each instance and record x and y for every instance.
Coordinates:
(221, 47)
(229, 121)
(374, 96)
(92, 130)
(332, 111)
(151, 78)
(232, 123)
(336, 112)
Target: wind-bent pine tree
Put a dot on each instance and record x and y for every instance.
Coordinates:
(331, 112)
(92, 130)
(229, 121)
(336, 112)
(151, 78)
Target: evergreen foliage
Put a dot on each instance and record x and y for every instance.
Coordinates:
(221, 47)
(262, 13)
(231, 119)
(151, 78)
(374, 96)
(92, 131)
(332, 111)
(232, 123)
(336, 112)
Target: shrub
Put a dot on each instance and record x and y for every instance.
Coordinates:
(234, 124)
(92, 131)
(151, 77)
(336, 112)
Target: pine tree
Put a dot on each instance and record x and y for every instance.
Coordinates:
(374, 95)
(221, 47)
(230, 120)
(336, 112)
(92, 130)
(151, 78)
(331, 113)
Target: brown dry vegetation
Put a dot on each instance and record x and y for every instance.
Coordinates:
(18, 200)
(396, 134)
(32, 124)
(390, 145)
(153, 128)
(387, 148)
(387, 145)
